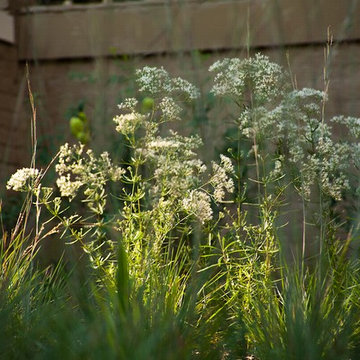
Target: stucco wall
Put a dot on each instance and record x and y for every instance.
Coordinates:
(148, 27)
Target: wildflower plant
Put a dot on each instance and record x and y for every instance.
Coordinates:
(288, 123)
(182, 254)
(163, 179)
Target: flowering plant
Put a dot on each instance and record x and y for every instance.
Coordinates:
(165, 175)
(184, 247)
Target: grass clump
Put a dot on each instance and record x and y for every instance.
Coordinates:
(192, 260)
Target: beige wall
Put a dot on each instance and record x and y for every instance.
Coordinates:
(140, 27)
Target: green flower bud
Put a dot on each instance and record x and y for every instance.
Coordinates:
(83, 137)
(147, 104)
(76, 125)
(81, 115)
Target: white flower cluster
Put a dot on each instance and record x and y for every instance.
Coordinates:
(220, 179)
(126, 124)
(174, 146)
(259, 76)
(318, 158)
(157, 81)
(23, 179)
(307, 140)
(163, 143)
(258, 121)
(176, 167)
(153, 80)
(297, 108)
(128, 104)
(306, 93)
(68, 188)
(177, 174)
(198, 203)
(352, 123)
(327, 166)
(183, 86)
(292, 120)
(229, 80)
(76, 170)
(277, 171)
(305, 105)
(170, 110)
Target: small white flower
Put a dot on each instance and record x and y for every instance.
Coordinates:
(157, 81)
(352, 123)
(127, 123)
(226, 164)
(185, 87)
(116, 173)
(153, 80)
(220, 179)
(233, 77)
(76, 169)
(198, 204)
(23, 179)
(128, 104)
(170, 109)
(161, 143)
(67, 187)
